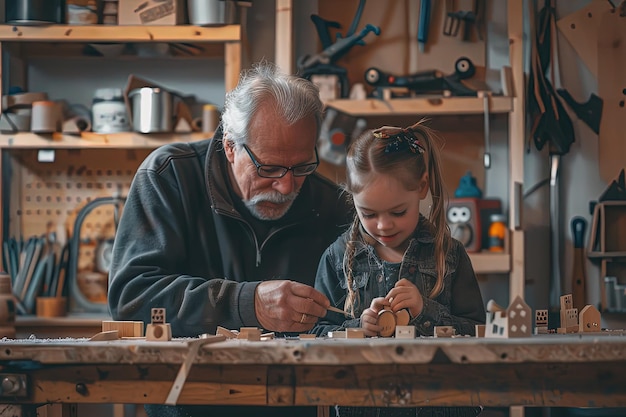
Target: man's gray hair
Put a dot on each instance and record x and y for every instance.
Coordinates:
(295, 99)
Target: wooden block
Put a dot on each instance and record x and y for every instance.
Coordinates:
(386, 320)
(355, 333)
(405, 332)
(444, 331)
(249, 333)
(571, 318)
(225, 332)
(480, 330)
(268, 336)
(125, 328)
(589, 319)
(337, 334)
(158, 332)
(403, 317)
(541, 330)
(541, 318)
(157, 316)
(306, 336)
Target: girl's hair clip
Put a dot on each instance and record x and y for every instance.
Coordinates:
(404, 140)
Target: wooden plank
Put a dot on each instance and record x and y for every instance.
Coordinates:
(23, 140)
(421, 106)
(283, 54)
(232, 65)
(581, 29)
(517, 129)
(105, 33)
(611, 88)
(140, 384)
(451, 385)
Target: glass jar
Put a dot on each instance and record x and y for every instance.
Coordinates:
(109, 111)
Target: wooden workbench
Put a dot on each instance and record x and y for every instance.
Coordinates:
(549, 370)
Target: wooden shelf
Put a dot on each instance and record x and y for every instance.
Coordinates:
(432, 105)
(26, 140)
(114, 33)
(491, 263)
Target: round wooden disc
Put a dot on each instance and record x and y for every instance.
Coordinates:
(403, 317)
(386, 320)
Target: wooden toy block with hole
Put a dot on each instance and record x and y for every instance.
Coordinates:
(589, 319)
(124, 328)
(444, 331)
(158, 330)
(355, 333)
(405, 332)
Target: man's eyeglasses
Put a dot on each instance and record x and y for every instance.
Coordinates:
(279, 171)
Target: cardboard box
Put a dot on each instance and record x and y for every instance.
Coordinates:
(151, 12)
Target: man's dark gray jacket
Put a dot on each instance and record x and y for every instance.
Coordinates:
(182, 245)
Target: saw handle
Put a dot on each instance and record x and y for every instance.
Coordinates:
(579, 225)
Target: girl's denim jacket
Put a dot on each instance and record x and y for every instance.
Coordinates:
(459, 304)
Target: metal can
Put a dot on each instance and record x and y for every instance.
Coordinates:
(109, 111)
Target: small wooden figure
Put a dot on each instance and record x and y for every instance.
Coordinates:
(444, 331)
(589, 319)
(403, 317)
(387, 322)
(158, 329)
(541, 322)
(405, 332)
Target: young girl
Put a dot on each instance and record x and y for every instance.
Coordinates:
(394, 257)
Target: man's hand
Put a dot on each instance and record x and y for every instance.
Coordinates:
(369, 317)
(288, 306)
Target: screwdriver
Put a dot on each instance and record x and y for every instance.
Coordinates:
(424, 23)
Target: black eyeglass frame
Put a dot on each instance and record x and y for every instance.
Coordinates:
(284, 169)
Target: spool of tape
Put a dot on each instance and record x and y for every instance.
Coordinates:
(77, 124)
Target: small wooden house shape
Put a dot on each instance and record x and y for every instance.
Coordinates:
(515, 321)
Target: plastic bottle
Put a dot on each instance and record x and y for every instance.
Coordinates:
(497, 233)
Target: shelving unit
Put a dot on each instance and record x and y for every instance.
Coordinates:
(434, 105)
(53, 176)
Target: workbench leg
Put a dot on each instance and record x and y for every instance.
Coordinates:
(323, 411)
(516, 411)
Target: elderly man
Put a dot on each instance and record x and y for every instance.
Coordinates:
(229, 231)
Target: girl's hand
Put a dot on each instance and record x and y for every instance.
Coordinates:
(369, 317)
(405, 295)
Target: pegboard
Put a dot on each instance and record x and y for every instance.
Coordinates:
(46, 196)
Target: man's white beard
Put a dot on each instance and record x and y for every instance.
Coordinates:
(272, 197)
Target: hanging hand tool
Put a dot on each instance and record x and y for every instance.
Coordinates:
(424, 24)
(579, 297)
(589, 112)
(427, 81)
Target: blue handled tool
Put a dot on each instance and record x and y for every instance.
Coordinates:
(424, 24)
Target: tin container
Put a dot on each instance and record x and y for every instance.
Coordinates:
(152, 110)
